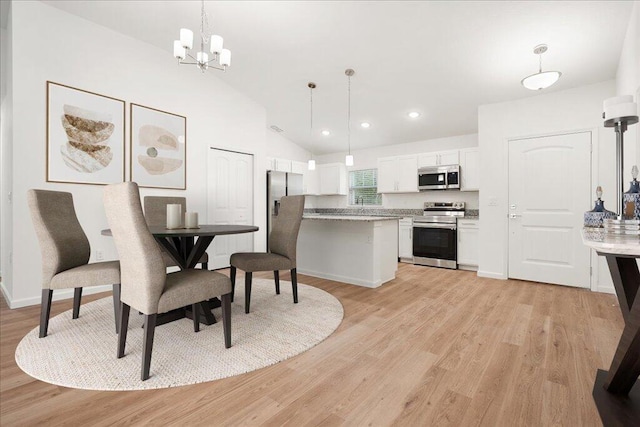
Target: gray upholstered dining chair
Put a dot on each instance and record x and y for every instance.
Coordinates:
(155, 213)
(146, 286)
(65, 253)
(282, 255)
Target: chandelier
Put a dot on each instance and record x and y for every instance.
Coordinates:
(541, 79)
(221, 58)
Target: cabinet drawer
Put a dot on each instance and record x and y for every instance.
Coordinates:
(468, 223)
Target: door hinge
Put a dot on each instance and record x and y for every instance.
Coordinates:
(590, 271)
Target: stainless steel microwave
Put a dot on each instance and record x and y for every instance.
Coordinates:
(439, 177)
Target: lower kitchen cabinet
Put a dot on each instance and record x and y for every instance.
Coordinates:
(405, 239)
(468, 231)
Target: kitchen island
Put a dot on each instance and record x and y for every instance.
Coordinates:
(360, 250)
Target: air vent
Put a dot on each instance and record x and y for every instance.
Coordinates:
(276, 128)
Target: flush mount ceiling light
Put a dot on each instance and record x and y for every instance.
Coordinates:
(414, 114)
(541, 79)
(365, 125)
(326, 132)
(312, 163)
(221, 57)
(348, 160)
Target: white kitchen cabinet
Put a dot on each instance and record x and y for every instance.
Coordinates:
(333, 179)
(405, 239)
(299, 167)
(470, 169)
(468, 232)
(270, 163)
(398, 174)
(282, 165)
(438, 158)
(311, 183)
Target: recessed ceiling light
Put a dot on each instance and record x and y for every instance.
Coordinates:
(365, 125)
(414, 114)
(326, 133)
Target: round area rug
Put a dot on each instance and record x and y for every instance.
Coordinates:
(81, 353)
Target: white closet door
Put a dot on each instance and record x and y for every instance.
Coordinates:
(230, 201)
(549, 190)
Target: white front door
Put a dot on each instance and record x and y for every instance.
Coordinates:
(549, 190)
(230, 201)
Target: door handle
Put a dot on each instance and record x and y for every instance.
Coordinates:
(514, 216)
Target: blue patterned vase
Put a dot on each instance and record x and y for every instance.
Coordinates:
(631, 199)
(595, 217)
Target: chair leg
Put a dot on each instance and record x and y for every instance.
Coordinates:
(294, 284)
(123, 327)
(233, 282)
(147, 347)
(77, 296)
(247, 290)
(226, 319)
(276, 277)
(205, 265)
(116, 304)
(45, 311)
(196, 317)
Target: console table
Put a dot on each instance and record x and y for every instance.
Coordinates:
(617, 392)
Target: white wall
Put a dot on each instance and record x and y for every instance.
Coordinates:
(97, 59)
(628, 83)
(280, 146)
(565, 111)
(6, 155)
(368, 158)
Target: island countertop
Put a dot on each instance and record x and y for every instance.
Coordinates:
(367, 218)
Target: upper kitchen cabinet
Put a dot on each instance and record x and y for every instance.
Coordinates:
(398, 174)
(310, 183)
(438, 158)
(280, 165)
(333, 179)
(470, 169)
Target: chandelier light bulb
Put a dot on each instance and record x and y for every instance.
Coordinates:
(312, 165)
(202, 57)
(179, 52)
(186, 38)
(225, 57)
(216, 44)
(348, 160)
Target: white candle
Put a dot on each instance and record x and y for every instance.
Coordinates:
(191, 220)
(173, 216)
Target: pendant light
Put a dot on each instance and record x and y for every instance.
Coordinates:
(312, 163)
(349, 158)
(540, 80)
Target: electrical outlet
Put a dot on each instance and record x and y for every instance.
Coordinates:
(493, 202)
(99, 256)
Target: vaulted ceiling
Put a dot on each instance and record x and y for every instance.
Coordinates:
(442, 58)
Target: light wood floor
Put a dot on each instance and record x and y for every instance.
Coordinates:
(433, 347)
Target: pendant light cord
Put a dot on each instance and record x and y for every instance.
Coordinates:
(311, 119)
(349, 117)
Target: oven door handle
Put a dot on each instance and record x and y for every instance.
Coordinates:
(434, 225)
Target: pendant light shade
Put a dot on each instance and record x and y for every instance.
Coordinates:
(312, 165)
(348, 160)
(541, 79)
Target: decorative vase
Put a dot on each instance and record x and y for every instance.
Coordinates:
(631, 199)
(595, 217)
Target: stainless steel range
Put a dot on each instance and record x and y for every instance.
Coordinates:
(435, 235)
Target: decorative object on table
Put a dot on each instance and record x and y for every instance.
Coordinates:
(622, 226)
(540, 80)
(191, 220)
(158, 148)
(85, 136)
(631, 199)
(312, 163)
(201, 60)
(594, 217)
(619, 113)
(348, 160)
(174, 215)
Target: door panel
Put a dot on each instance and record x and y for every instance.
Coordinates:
(549, 189)
(230, 201)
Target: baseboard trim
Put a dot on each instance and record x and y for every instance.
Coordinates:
(605, 289)
(345, 279)
(5, 294)
(491, 275)
(58, 294)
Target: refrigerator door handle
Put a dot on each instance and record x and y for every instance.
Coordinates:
(276, 207)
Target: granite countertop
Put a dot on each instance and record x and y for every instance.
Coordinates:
(368, 218)
(598, 239)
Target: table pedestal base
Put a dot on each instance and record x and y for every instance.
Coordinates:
(616, 409)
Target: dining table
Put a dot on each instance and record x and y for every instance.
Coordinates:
(186, 246)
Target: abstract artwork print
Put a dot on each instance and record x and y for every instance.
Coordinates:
(85, 136)
(158, 148)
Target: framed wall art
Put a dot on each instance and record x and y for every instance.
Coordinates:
(158, 148)
(85, 136)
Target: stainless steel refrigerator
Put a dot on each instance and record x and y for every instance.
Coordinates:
(280, 184)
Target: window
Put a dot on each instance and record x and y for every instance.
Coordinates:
(363, 188)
